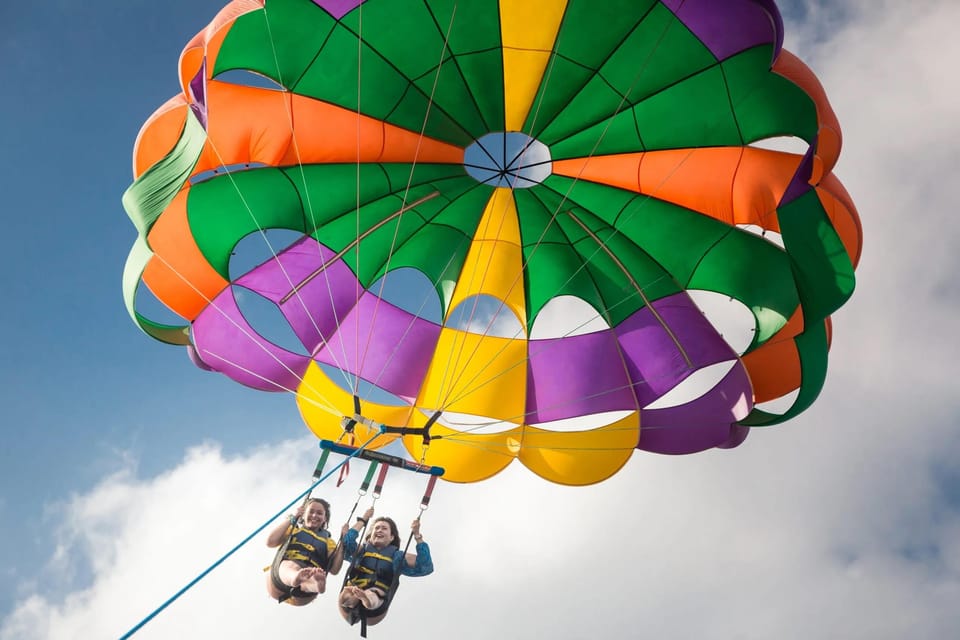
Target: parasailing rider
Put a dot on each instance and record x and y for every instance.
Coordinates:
(376, 566)
(307, 555)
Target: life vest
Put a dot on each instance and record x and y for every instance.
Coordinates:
(375, 568)
(309, 548)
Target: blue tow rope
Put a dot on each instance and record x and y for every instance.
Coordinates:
(216, 564)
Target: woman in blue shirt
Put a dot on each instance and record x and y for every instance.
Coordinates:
(376, 567)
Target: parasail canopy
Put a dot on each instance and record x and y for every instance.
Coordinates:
(557, 230)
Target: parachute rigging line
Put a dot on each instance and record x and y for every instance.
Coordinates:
(406, 192)
(329, 408)
(446, 400)
(309, 204)
(385, 461)
(276, 258)
(473, 384)
(247, 539)
(282, 550)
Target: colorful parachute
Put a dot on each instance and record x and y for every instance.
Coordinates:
(557, 229)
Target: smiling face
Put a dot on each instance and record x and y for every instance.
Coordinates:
(383, 532)
(315, 516)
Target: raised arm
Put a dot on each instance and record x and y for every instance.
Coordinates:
(279, 534)
(351, 535)
(419, 563)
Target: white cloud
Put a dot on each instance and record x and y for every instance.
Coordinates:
(782, 538)
(836, 525)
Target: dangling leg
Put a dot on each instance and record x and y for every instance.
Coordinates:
(279, 590)
(350, 596)
(371, 598)
(288, 572)
(312, 580)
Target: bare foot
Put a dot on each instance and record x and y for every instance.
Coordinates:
(370, 599)
(350, 597)
(320, 580)
(311, 579)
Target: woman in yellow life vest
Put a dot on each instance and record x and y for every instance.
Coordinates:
(376, 567)
(309, 554)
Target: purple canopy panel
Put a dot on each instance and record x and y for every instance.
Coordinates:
(654, 362)
(738, 433)
(196, 359)
(338, 8)
(732, 26)
(315, 310)
(395, 347)
(800, 183)
(198, 94)
(221, 329)
(576, 376)
(703, 423)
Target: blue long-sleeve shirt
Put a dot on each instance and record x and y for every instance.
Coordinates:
(422, 567)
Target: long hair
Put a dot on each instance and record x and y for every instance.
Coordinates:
(326, 509)
(394, 532)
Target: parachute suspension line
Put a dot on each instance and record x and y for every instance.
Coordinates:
(406, 193)
(636, 286)
(474, 384)
(358, 287)
(446, 398)
(237, 547)
(446, 401)
(565, 197)
(324, 406)
(423, 303)
(329, 407)
(470, 387)
(456, 356)
(602, 244)
(273, 251)
(295, 288)
(337, 256)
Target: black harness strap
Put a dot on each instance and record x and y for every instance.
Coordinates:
(359, 614)
(348, 423)
(288, 591)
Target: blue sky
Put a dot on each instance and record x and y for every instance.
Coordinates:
(83, 388)
(843, 523)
